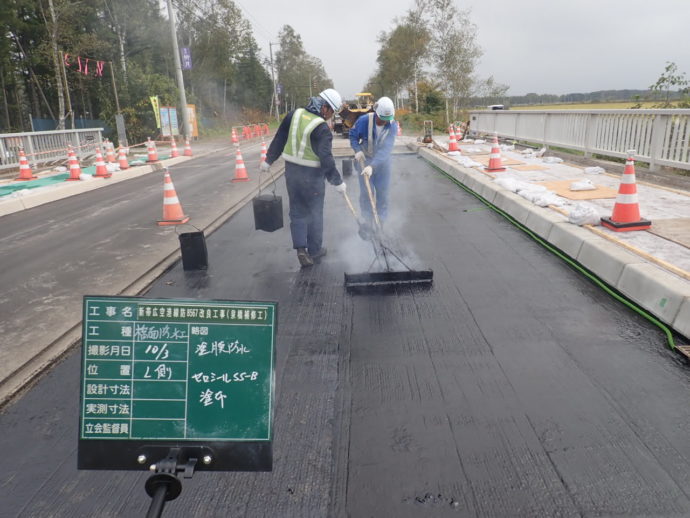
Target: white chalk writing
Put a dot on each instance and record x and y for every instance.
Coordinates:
(208, 396)
(165, 332)
(225, 377)
(218, 347)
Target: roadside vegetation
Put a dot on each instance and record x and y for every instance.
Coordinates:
(69, 64)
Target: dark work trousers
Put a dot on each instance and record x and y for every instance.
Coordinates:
(306, 189)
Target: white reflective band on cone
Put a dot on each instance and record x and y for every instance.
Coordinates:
(171, 201)
(626, 199)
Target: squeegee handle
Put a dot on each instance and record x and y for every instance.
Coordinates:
(349, 204)
(372, 201)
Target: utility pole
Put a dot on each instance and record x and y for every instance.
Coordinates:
(186, 127)
(119, 119)
(275, 94)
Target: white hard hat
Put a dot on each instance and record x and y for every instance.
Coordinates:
(385, 109)
(332, 98)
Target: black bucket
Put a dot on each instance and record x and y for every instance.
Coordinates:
(194, 253)
(268, 212)
(347, 167)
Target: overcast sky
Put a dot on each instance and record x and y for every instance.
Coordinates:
(541, 46)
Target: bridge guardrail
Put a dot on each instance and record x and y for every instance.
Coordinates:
(659, 137)
(42, 147)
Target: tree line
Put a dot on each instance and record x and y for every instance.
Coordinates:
(429, 57)
(670, 90)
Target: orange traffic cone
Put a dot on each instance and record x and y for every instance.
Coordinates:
(240, 170)
(101, 169)
(109, 152)
(172, 210)
(25, 173)
(626, 211)
(460, 133)
(74, 168)
(234, 138)
(173, 148)
(187, 148)
(452, 143)
(264, 129)
(152, 152)
(263, 152)
(399, 129)
(122, 158)
(495, 164)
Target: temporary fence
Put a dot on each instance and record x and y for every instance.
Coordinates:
(248, 131)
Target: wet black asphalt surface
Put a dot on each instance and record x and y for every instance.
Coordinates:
(514, 387)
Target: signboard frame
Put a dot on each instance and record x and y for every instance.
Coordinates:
(249, 448)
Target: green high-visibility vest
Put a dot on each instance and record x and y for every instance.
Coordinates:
(298, 146)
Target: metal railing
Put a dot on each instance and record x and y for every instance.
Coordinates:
(660, 137)
(43, 147)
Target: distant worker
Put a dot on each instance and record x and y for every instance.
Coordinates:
(372, 138)
(305, 141)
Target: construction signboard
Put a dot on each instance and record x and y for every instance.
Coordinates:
(169, 126)
(157, 373)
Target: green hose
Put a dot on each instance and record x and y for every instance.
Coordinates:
(570, 261)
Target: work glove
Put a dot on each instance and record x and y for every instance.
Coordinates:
(264, 167)
(360, 157)
(368, 171)
(341, 188)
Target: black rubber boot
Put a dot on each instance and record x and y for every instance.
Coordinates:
(304, 258)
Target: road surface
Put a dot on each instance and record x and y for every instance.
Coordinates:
(514, 387)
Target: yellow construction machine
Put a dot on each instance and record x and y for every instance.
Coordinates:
(351, 112)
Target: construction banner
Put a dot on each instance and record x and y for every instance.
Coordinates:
(191, 112)
(156, 109)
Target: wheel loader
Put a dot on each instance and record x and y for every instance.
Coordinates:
(352, 111)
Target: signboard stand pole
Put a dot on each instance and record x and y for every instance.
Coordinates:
(164, 484)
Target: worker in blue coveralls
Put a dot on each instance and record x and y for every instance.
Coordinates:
(372, 138)
(305, 141)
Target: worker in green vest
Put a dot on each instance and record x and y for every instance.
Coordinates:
(305, 141)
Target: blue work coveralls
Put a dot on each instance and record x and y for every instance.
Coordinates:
(305, 185)
(379, 159)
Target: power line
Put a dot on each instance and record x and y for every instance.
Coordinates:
(203, 19)
(263, 29)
